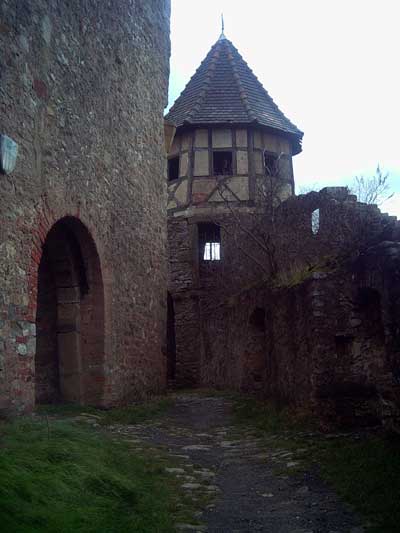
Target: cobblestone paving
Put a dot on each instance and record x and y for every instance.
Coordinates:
(250, 485)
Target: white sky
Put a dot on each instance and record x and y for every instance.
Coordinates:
(332, 66)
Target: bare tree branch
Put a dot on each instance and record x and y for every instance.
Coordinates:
(373, 189)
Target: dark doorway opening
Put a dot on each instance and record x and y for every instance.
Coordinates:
(254, 354)
(171, 341)
(257, 319)
(47, 376)
(69, 361)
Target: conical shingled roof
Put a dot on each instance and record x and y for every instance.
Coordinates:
(224, 90)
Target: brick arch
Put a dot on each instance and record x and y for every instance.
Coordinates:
(70, 321)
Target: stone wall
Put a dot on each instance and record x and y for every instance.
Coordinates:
(249, 346)
(236, 342)
(313, 228)
(196, 285)
(82, 92)
(328, 347)
(322, 335)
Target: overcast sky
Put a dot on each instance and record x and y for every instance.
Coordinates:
(331, 66)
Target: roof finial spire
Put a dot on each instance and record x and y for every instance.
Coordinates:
(222, 36)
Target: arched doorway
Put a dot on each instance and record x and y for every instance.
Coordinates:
(69, 361)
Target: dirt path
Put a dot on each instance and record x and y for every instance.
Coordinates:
(250, 485)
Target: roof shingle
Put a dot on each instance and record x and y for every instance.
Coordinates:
(225, 90)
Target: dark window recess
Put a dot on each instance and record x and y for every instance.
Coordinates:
(173, 168)
(369, 311)
(222, 163)
(343, 344)
(171, 341)
(257, 318)
(369, 301)
(271, 165)
(209, 242)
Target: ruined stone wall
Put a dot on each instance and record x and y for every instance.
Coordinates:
(236, 343)
(328, 346)
(196, 286)
(242, 261)
(321, 334)
(329, 343)
(182, 285)
(249, 346)
(82, 92)
(315, 228)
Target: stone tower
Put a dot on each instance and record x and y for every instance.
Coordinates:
(231, 139)
(83, 265)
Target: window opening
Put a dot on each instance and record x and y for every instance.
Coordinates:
(209, 241)
(257, 318)
(315, 221)
(271, 165)
(343, 344)
(173, 168)
(222, 163)
(368, 300)
(369, 309)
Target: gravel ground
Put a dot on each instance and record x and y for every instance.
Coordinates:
(250, 486)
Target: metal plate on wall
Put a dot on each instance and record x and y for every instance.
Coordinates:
(8, 154)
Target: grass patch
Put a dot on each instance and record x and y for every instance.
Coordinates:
(129, 415)
(366, 473)
(135, 414)
(364, 468)
(76, 479)
(267, 417)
